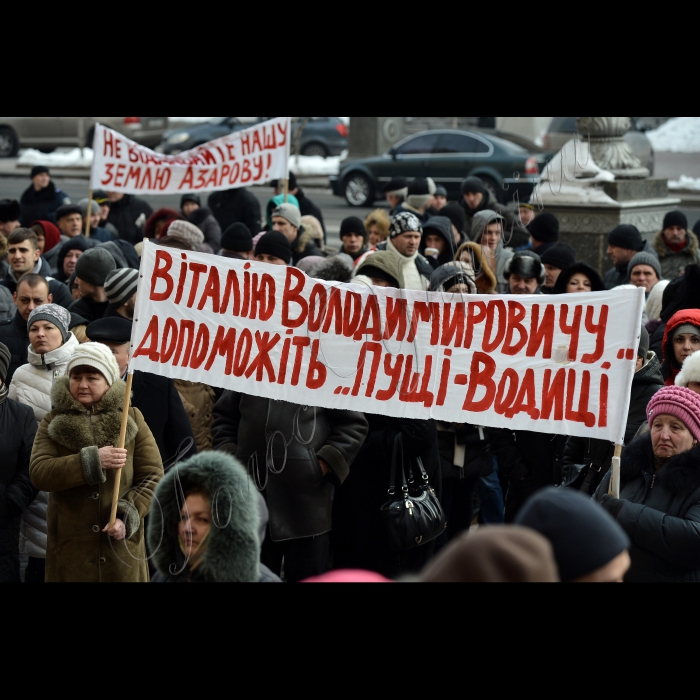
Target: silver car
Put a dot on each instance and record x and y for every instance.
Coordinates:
(562, 129)
(49, 133)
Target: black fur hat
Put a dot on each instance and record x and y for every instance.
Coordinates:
(9, 210)
(528, 265)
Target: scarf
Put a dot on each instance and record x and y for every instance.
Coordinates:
(409, 277)
(677, 247)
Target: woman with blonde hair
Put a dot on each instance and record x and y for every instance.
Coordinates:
(377, 226)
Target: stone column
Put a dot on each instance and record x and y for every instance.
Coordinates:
(372, 136)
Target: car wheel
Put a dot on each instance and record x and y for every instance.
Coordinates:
(494, 189)
(359, 191)
(315, 149)
(9, 144)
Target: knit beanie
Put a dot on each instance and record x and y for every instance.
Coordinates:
(405, 222)
(396, 185)
(9, 210)
(353, 225)
(275, 244)
(290, 213)
(237, 238)
(473, 184)
(191, 197)
(95, 356)
(83, 204)
(52, 313)
(94, 265)
(39, 170)
(456, 214)
(120, 286)
(5, 358)
(585, 537)
(279, 184)
(562, 256)
(676, 218)
(188, 232)
(627, 237)
(645, 259)
(690, 372)
(544, 228)
(644, 343)
(679, 402)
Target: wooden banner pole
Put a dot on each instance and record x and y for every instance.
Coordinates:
(286, 191)
(122, 440)
(616, 469)
(89, 214)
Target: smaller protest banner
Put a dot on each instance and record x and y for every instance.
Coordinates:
(244, 158)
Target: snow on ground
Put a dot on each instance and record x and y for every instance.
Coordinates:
(678, 135)
(688, 184)
(302, 166)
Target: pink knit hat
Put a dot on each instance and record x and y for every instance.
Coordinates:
(679, 402)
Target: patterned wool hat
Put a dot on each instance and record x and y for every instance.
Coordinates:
(405, 222)
(679, 402)
(52, 313)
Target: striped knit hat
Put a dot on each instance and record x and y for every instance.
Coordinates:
(121, 285)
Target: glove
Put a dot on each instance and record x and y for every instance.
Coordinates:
(614, 506)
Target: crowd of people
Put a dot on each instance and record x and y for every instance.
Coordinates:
(221, 486)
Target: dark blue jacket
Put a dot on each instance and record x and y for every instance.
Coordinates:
(42, 205)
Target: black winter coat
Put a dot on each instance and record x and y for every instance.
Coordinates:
(529, 462)
(308, 208)
(236, 206)
(18, 429)
(129, 216)
(477, 451)
(598, 454)
(60, 292)
(90, 310)
(15, 336)
(282, 443)
(42, 205)
(661, 514)
(359, 534)
(157, 398)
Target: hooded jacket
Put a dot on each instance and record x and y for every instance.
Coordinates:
(441, 226)
(450, 271)
(232, 553)
(670, 367)
(31, 386)
(66, 463)
(619, 274)
(486, 282)
(517, 236)
(479, 223)
(674, 263)
(204, 220)
(236, 206)
(598, 454)
(42, 205)
(282, 444)
(661, 514)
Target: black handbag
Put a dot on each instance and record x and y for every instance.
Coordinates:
(416, 517)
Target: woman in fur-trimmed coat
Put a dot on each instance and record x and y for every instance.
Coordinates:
(66, 462)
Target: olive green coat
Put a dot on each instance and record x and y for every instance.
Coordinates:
(66, 464)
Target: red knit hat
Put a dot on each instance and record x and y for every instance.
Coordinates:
(51, 234)
(679, 402)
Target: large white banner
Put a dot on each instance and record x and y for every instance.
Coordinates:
(254, 156)
(552, 364)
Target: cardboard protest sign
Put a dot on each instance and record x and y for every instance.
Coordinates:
(552, 364)
(245, 158)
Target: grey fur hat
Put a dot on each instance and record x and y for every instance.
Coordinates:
(233, 546)
(526, 264)
(337, 268)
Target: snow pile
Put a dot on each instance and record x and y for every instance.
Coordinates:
(689, 184)
(77, 158)
(572, 176)
(679, 135)
(315, 166)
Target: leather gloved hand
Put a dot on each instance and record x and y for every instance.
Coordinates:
(614, 506)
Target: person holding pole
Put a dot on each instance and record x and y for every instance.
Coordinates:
(659, 504)
(90, 436)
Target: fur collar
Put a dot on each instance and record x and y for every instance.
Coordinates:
(663, 251)
(75, 428)
(681, 475)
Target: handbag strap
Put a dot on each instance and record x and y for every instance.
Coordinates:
(398, 448)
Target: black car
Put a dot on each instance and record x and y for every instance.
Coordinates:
(323, 136)
(447, 156)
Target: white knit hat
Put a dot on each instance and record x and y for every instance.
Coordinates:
(96, 356)
(188, 232)
(690, 371)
